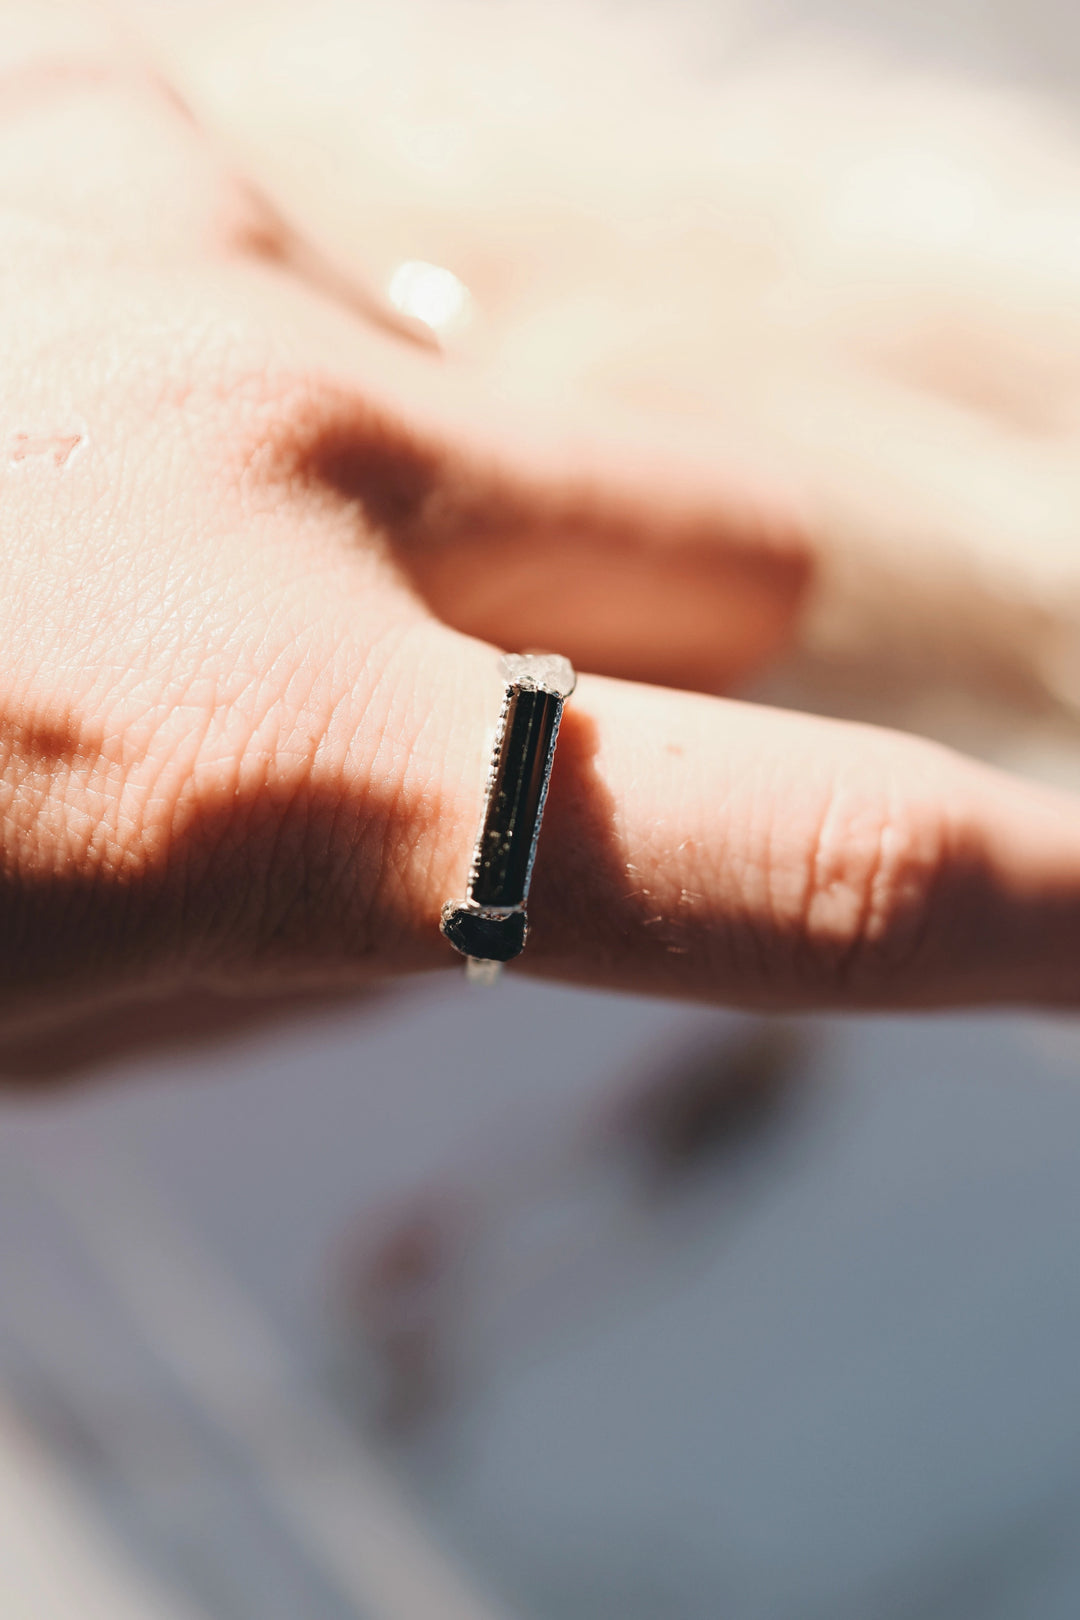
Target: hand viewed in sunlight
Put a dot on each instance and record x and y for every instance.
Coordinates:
(255, 525)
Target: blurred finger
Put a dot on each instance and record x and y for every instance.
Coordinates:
(632, 563)
(91, 137)
(664, 558)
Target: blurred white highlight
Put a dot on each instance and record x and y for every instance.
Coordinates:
(430, 293)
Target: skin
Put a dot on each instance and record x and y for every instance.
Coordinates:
(257, 541)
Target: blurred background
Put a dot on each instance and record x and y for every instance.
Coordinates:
(545, 1305)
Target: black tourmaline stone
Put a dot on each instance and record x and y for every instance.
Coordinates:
(507, 838)
(492, 939)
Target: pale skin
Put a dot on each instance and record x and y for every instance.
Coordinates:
(259, 549)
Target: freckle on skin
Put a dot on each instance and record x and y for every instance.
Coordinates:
(675, 748)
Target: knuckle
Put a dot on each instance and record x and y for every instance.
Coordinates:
(305, 433)
(323, 433)
(258, 416)
(249, 412)
(873, 889)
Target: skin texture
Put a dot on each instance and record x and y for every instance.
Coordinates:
(249, 534)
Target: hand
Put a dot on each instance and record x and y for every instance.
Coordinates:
(244, 737)
(873, 267)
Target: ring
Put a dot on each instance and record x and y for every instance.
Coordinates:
(489, 926)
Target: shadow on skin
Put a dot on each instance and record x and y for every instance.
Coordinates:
(217, 932)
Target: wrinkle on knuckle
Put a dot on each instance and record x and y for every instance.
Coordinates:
(871, 889)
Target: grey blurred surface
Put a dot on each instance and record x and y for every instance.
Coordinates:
(1036, 44)
(831, 1369)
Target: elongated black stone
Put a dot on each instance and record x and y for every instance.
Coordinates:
(507, 839)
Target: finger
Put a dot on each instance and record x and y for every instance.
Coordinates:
(653, 565)
(95, 141)
(91, 138)
(700, 847)
(675, 560)
(692, 847)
